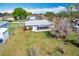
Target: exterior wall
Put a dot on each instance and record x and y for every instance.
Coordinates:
(43, 30)
(10, 19)
(4, 36)
(27, 27)
(1, 36)
(34, 28)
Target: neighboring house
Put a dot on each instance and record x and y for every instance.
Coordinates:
(1, 18)
(4, 34)
(38, 25)
(75, 23)
(31, 18)
(9, 18)
(6, 16)
(36, 17)
(4, 24)
(76, 27)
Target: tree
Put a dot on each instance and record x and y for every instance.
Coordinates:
(75, 14)
(69, 10)
(29, 13)
(76, 5)
(72, 13)
(62, 14)
(50, 15)
(19, 13)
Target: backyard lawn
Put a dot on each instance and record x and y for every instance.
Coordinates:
(21, 42)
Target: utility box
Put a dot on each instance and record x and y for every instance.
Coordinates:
(4, 34)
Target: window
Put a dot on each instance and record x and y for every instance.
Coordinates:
(40, 28)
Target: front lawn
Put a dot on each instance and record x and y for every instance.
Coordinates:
(21, 42)
(13, 26)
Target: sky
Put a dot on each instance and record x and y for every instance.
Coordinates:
(34, 7)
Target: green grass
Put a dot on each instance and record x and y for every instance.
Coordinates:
(21, 41)
(12, 26)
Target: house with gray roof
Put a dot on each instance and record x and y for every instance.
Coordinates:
(38, 25)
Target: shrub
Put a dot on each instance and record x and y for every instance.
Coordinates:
(73, 36)
(76, 42)
(61, 49)
(24, 28)
(74, 39)
(49, 34)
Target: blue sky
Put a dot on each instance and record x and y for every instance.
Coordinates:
(34, 7)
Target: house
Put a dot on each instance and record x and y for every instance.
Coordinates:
(38, 25)
(39, 16)
(4, 24)
(9, 19)
(4, 34)
(36, 17)
(31, 17)
(6, 17)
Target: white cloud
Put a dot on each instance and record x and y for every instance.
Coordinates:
(6, 11)
(41, 10)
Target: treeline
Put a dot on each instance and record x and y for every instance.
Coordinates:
(71, 12)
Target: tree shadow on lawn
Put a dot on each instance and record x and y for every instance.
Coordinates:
(74, 42)
(49, 35)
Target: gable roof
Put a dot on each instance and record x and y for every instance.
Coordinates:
(37, 23)
(3, 22)
(2, 30)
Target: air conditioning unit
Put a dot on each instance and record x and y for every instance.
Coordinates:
(4, 34)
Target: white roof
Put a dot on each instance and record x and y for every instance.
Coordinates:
(2, 30)
(32, 17)
(37, 23)
(3, 22)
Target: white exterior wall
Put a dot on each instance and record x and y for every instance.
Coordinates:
(10, 19)
(4, 35)
(27, 27)
(34, 28)
(1, 36)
